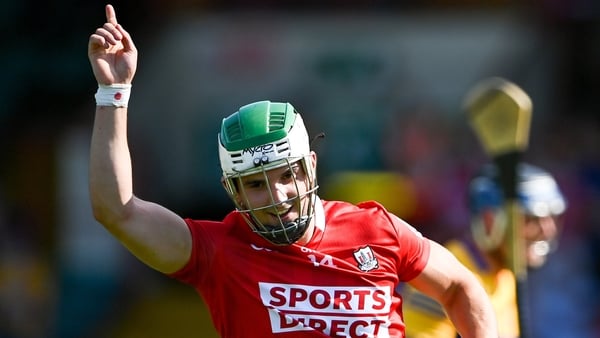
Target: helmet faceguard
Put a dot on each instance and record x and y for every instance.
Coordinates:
(263, 136)
(538, 195)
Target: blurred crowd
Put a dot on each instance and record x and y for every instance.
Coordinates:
(61, 275)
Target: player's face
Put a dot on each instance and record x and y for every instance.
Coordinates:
(273, 194)
(540, 233)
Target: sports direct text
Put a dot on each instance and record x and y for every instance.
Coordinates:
(334, 310)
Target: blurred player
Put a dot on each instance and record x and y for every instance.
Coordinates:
(284, 262)
(484, 251)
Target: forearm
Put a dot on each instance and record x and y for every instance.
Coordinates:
(110, 165)
(154, 234)
(469, 309)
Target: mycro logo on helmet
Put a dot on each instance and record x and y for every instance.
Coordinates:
(265, 148)
(260, 154)
(336, 311)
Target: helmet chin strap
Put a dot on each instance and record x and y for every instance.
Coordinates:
(289, 234)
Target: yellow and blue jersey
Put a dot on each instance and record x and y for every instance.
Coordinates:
(425, 318)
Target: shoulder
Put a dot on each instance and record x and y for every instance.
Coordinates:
(231, 219)
(367, 216)
(371, 214)
(210, 230)
(342, 208)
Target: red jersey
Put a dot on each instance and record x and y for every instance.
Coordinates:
(340, 284)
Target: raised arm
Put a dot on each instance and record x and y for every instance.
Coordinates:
(465, 301)
(155, 235)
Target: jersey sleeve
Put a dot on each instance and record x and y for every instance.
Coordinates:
(413, 249)
(200, 257)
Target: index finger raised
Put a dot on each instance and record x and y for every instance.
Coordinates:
(111, 16)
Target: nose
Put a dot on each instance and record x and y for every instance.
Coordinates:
(542, 228)
(548, 226)
(280, 192)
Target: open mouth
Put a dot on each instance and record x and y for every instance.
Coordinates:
(540, 248)
(282, 213)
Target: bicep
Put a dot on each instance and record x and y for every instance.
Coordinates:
(156, 235)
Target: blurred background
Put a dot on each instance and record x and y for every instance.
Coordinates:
(384, 81)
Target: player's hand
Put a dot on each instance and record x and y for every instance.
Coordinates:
(111, 51)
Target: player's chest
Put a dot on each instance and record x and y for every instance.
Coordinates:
(298, 263)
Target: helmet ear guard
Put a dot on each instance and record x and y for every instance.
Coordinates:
(489, 228)
(231, 187)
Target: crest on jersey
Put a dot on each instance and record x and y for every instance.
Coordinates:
(366, 259)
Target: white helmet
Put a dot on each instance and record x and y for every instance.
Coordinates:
(258, 137)
(537, 193)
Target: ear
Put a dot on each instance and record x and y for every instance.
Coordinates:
(231, 191)
(313, 166)
(223, 182)
(489, 228)
(313, 159)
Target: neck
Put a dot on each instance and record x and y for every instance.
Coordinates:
(496, 259)
(308, 234)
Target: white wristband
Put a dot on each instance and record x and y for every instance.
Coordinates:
(114, 95)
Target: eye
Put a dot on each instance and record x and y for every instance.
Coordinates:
(254, 184)
(530, 219)
(291, 173)
(288, 175)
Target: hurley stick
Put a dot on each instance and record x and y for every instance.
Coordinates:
(500, 114)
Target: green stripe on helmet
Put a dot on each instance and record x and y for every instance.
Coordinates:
(261, 135)
(256, 124)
